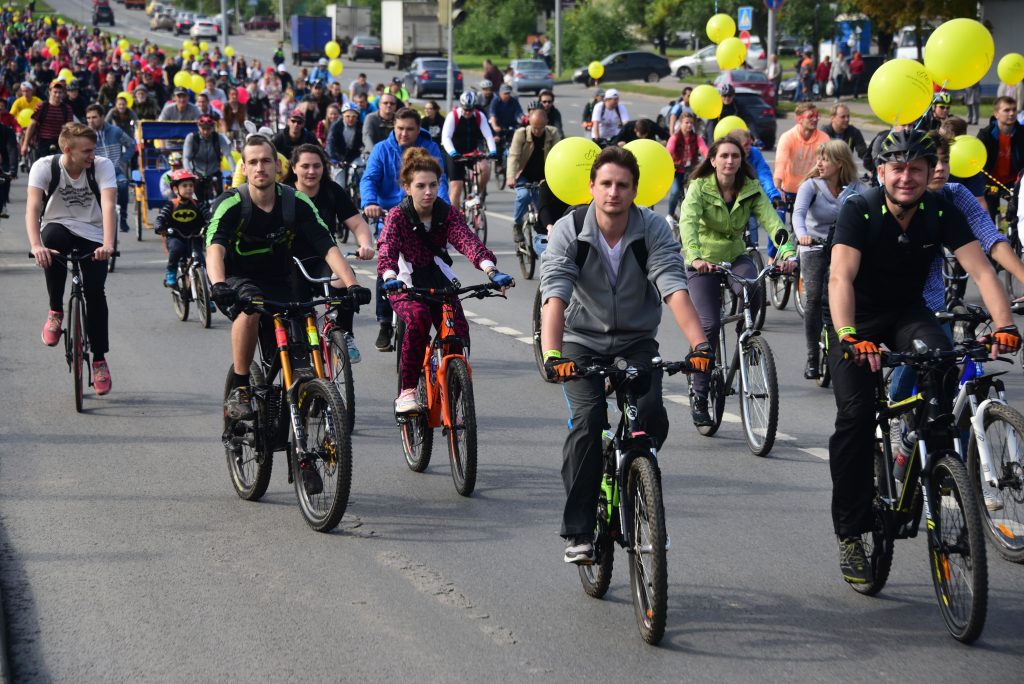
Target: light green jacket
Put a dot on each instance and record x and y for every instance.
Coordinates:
(714, 233)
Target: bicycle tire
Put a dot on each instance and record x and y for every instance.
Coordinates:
(250, 469)
(648, 580)
(480, 222)
(399, 338)
(343, 233)
(759, 416)
(878, 544)
(799, 296)
(77, 342)
(778, 291)
(112, 260)
(341, 374)
(462, 437)
(824, 374)
(417, 435)
(328, 439)
(202, 296)
(950, 490)
(138, 223)
(597, 576)
(527, 259)
(1004, 527)
(179, 297)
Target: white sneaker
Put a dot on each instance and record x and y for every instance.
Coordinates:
(992, 502)
(406, 402)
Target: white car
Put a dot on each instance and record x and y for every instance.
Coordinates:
(757, 58)
(204, 28)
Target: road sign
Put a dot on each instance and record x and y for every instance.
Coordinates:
(745, 18)
(773, 4)
(745, 38)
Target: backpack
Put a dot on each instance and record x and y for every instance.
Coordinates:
(287, 206)
(579, 213)
(932, 215)
(90, 178)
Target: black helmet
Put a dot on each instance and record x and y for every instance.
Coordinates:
(906, 146)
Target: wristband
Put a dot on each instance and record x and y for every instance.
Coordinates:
(552, 354)
(845, 331)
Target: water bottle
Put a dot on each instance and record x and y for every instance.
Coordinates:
(903, 453)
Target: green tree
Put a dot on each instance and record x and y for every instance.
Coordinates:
(496, 26)
(660, 18)
(591, 31)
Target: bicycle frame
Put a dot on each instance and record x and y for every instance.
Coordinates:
(436, 359)
(746, 317)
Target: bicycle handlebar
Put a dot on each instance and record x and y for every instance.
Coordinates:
(725, 266)
(621, 366)
(270, 307)
(923, 356)
(305, 273)
(71, 257)
(480, 291)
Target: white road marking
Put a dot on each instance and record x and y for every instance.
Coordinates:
(527, 340)
(512, 332)
(817, 452)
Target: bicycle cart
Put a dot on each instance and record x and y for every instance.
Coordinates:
(156, 140)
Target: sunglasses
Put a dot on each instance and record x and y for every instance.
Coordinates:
(942, 106)
(546, 102)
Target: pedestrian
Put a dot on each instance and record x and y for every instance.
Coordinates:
(839, 74)
(821, 75)
(774, 74)
(972, 98)
(856, 73)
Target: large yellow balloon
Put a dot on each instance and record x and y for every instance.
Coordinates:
(730, 53)
(967, 156)
(596, 70)
(197, 83)
(182, 79)
(123, 44)
(729, 124)
(229, 51)
(335, 67)
(656, 170)
(706, 102)
(332, 50)
(720, 27)
(66, 74)
(204, 46)
(187, 45)
(900, 91)
(1011, 68)
(567, 169)
(959, 53)
(25, 117)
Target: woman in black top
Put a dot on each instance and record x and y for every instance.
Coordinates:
(433, 121)
(308, 175)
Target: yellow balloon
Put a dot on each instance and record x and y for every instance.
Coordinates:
(229, 51)
(706, 102)
(182, 79)
(204, 46)
(187, 45)
(25, 118)
(1011, 68)
(959, 53)
(567, 169)
(123, 44)
(66, 74)
(729, 124)
(656, 170)
(332, 50)
(60, 22)
(50, 42)
(197, 83)
(125, 56)
(47, 21)
(730, 53)
(720, 27)
(335, 67)
(900, 91)
(967, 156)
(55, 51)
(595, 70)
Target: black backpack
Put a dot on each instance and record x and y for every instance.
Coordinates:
(579, 213)
(90, 178)
(287, 206)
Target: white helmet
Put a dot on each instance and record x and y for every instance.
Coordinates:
(468, 99)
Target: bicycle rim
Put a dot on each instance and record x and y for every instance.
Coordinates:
(462, 433)
(525, 254)
(341, 374)
(328, 450)
(648, 572)
(202, 296)
(759, 396)
(778, 289)
(417, 435)
(538, 352)
(799, 297)
(179, 297)
(78, 352)
(824, 375)
(1002, 507)
(250, 462)
(956, 550)
(596, 577)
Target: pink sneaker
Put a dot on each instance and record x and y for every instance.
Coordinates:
(101, 377)
(51, 329)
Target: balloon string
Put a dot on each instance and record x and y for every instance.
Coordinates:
(996, 183)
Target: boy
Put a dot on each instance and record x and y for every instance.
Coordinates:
(181, 220)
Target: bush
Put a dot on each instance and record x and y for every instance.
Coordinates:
(591, 31)
(491, 26)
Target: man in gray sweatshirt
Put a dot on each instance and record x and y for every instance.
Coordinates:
(602, 299)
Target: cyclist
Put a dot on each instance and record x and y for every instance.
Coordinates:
(611, 265)
(175, 161)
(73, 196)
(413, 253)
(203, 154)
(47, 122)
(378, 125)
(27, 100)
(797, 150)
(1004, 142)
(249, 245)
(345, 141)
(294, 135)
(723, 195)
(608, 117)
(180, 109)
(530, 147)
(686, 149)
(679, 108)
(117, 146)
(588, 110)
(885, 241)
(486, 95)
(466, 130)
(938, 113)
(505, 117)
(546, 98)
(185, 216)
(730, 107)
(840, 128)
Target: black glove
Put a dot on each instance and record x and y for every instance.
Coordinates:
(701, 358)
(360, 294)
(223, 294)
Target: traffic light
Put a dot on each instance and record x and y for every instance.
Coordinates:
(458, 11)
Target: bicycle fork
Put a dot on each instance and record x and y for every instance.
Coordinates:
(292, 386)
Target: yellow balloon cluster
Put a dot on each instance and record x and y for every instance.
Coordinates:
(567, 169)
(595, 70)
(967, 156)
(729, 124)
(123, 44)
(720, 27)
(204, 46)
(656, 171)
(182, 79)
(900, 91)
(187, 45)
(730, 53)
(959, 53)
(332, 50)
(335, 67)
(1011, 68)
(706, 102)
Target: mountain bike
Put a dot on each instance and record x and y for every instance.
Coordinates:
(524, 251)
(538, 352)
(297, 410)
(630, 511)
(755, 254)
(936, 485)
(192, 283)
(444, 391)
(752, 358)
(472, 196)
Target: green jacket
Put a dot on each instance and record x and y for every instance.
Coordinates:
(714, 233)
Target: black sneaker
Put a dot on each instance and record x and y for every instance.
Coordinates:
(311, 480)
(579, 550)
(853, 562)
(517, 234)
(238, 405)
(384, 337)
(811, 370)
(699, 412)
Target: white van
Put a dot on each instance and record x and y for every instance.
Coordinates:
(906, 41)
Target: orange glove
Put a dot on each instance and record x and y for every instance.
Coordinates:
(1008, 338)
(701, 358)
(854, 348)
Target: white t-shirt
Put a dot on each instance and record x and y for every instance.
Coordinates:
(609, 120)
(612, 257)
(73, 204)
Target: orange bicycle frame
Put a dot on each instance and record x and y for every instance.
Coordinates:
(438, 408)
(313, 342)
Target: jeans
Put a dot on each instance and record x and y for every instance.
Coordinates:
(94, 279)
(840, 80)
(522, 203)
(179, 248)
(812, 270)
(677, 192)
(122, 196)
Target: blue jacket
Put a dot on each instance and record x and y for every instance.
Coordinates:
(764, 174)
(380, 184)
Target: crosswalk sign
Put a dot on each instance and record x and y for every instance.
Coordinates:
(745, 18)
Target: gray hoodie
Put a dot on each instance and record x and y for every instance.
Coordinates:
(604, 318)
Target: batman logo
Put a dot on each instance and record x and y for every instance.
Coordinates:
(184, 215)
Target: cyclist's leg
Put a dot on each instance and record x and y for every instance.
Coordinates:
(417, 318)
(652, 414)
(675, 194)
(581, 453)
(484, 175)
(177, 249)
(94, 280)
(122, 201)
(812, 271)
(383, 304)
(56, 236)
(456, 180)
(519, 208)
(706, 294)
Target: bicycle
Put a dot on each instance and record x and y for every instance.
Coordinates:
(524, 251)
(752, 358)
(935, 484)
(538, 352)
(192, 284)
(444, 391)
(76, 329)
(630, 511)
(472, 198)
(297, 410)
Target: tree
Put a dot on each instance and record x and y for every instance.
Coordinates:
(891, 17)
(661, 17)
(591, 31)
(496, 26)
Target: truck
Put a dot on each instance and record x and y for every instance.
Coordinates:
(349, 21)
(410, 30)
(309, 35)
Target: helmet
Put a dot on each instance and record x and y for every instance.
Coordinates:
(906, 146)
(181, 175)
(485, 84)
(468, 99)
(942, 98)
(726, 89)
(535, 104)
(174, 159)
(205, 120)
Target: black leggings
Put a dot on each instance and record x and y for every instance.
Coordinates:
(94, 278)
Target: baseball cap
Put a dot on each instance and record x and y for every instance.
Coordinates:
(26, 84)
(138, 88)
(505, 88)
(73, 85)
(726, 89)
(58, 83)
(396, 80)
(297, 116)
(282, 68)
(599, 93)
(611, 92)
(222, 73)
(180, 91)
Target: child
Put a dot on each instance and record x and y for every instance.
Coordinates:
(181, 220)
(687, 149)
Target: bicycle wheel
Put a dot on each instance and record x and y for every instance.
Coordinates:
(112, 261)
(343, 233)
(524, 253)
(77, 342)
(1004, 434)
(878, 544)
(648, 571)
(778, 291)
(322, 413)
(759, 396)
(538, 352)
(799, 297)
(139, 224)
(417, 435)
(480, 223)
(824, 375)
(248, 446)
(341, 373)
(202, 296)
(956, 550)
(597, 576)
(462, 434)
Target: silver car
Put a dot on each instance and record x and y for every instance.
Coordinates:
(532, 75)
(704, 60)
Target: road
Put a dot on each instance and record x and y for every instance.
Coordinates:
(126, 555)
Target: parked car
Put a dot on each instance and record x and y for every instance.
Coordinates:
(162, 21)
(787, 89)
(231, 22)
(762, 115)
(135, 4)
(365, 47)
(102, 13)
(262, 23)
(204, 28)
(184, 23)
(627, 66)
(682, 39)
(789, 47)
(155, 8)
(748, 78)
(532, 75)
(704, 60)
(429, 76)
